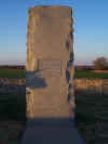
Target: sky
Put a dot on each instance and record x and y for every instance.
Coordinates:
(90, 29)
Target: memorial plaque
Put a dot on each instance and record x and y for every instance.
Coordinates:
(52, 67)
(49, 62)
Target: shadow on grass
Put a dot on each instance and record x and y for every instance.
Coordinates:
(13, 102)
(88, 107)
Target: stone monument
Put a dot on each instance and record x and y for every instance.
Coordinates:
(49, 63)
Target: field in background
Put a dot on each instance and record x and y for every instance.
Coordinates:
(20, 73)
(12, 73)
(90, 74)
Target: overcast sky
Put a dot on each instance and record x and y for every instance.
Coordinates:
(90, 29)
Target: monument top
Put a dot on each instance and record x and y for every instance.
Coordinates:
(51, 6)
(55, 11)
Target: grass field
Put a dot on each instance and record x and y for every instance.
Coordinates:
(90, 74)
(20, 73)
(12, 73)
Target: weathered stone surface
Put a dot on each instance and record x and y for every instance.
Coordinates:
(49, 62)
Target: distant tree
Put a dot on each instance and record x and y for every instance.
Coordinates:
(101, 63)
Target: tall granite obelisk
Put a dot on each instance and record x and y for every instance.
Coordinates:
(49, 63)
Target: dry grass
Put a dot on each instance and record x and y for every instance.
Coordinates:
(101, 71)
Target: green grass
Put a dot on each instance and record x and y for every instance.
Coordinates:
(20, 73)
(90, 74)
(12, 73)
